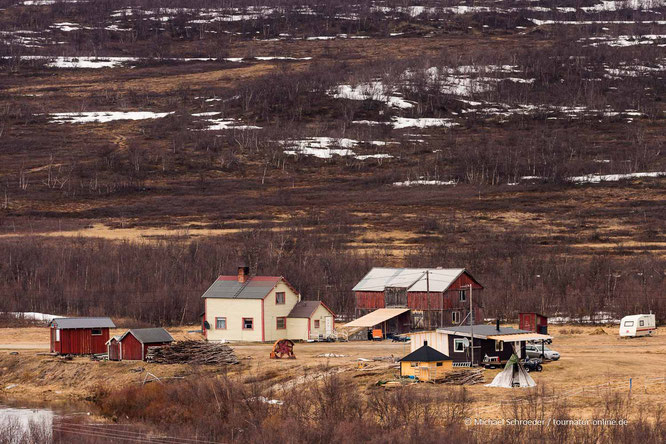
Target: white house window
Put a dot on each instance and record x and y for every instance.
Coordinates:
(628, 323)
(462, 295)
(459, 345)
(279, 297)
(499, 346)
(97, 332)
(248, 323)
(281, 323)
(455, 317)
(221, 323)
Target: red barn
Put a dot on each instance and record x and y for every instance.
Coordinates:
(135, 342)
(533, 322)
(437, 297)
(80, 336)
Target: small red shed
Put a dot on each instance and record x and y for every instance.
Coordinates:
(533, 322)
(80, 336)
(135, 342)
(113, 348)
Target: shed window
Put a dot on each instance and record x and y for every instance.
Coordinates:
(97, 332)
(316, 323)
(641, 323)
(414, 364)
(248, 323)
(221, 323)
(458, 345)
(628, 323)
(499, 346)
(279, 297)
(439, 364)
(455, 317)
(462, 295)
(281, 323)
(57, 335)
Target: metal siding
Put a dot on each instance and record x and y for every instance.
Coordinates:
(438, 341)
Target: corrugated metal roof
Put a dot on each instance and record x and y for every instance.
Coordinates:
(413, 279)
(228, 287)
(520, 337)
(376, 317)
(304, 309)
(425, 354)
(83, 323)
(149, 335)
(481, 330)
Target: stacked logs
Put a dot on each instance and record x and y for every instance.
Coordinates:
(463, 377)
(192, 352)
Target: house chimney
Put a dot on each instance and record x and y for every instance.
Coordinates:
(498, 328)
(243, 273)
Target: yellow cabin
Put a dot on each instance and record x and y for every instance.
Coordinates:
(425, 364)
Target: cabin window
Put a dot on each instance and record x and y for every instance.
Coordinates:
(455, 317)
(499, 346)
(462, 295)
(57, 335)
(248, 323)
(641, 323)
(439, 364)
(97, 332)
(316, 323)
(221, 323)
(458, 345)
(414, 364)
(279, 297)
(281, 323)
(628, 323)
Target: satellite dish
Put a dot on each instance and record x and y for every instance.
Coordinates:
(466, 342)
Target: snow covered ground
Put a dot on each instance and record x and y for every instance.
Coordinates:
(423, 181)
(32, 315)
(327, 147)
(104, 116)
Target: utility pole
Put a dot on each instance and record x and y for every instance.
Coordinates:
(428, 296)
(471, 320)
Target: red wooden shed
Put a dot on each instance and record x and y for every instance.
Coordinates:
(135, 342)
(113, 348)
(533, 322)
(80, 336)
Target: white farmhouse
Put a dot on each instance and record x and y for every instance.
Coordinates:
(262, 308)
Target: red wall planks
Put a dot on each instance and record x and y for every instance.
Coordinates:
(79, 341)
(131, 348)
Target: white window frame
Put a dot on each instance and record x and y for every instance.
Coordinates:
(93, 330)
(641, 323)
(218, 319)
(628, 323)
(456, 342)
(462, 295)
(57, 335)
(455, 317)
(499, 345)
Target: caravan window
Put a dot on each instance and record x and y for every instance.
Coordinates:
(628, 323)
(641, 323)
(458, 345)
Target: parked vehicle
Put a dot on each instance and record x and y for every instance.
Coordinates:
(532, 364)
(539, 351)
(637, 325)
(491, 361)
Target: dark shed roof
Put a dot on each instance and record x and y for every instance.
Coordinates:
(481, 330)
(83, 323)
(425, 354)
(228, 287)
(304, 309)
(149, 335)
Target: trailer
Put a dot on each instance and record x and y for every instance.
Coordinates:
(637, 325)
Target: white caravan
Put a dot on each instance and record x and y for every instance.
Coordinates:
(637, 325)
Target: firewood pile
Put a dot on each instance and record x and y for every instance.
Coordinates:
(463, 377)
(192, 352)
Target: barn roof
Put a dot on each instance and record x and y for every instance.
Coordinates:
(149, 335)
(83, 323)
(305, 309)
(256, 287)
(425, 354)
(413, 279)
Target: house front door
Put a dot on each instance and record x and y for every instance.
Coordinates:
(329, 325)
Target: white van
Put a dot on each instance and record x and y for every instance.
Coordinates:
(637, 325)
